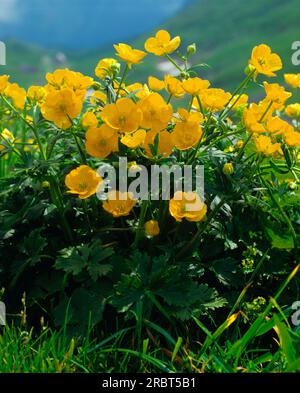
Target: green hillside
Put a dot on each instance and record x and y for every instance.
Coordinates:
(224, 31)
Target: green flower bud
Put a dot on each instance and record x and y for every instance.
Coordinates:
(192, 49)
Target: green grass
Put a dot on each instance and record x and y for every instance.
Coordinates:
(268, 344)
(225, 33)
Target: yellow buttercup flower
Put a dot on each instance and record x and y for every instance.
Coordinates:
(102, 141)
(17, 95)
(152, 228)
(292, 138)
(3, 83)
(194, 86)
(162, 43)
(293, 110)
(264, 144)
(277, 126)
(98, 98)
(156, 113)
(292, 80)
(83, 181)
(119, 204)
(187, 205)
(155, 84)
(264, 61)
(255, 115)
(60, 106)
(89, 119)
(105, 68)
(275, 94)
(124, 115)
(187, 131)
(36, 94)
(135, 140)
(129, 55)
(174, 86)
(239, 101)
(139, 90)
(61, 79)
(165, 143)
(214, 100)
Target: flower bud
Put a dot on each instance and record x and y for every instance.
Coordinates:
(192, 49)
(228, 169)
(249, 69)
(152, 228)
(96, 86)
(116, 67)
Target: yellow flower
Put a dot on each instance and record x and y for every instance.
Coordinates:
(3, 83)
(102, 141)
(135, 140)
(98, 98)
(293, 110)
(174, 86)
(36, 94)
(62, 79)
(139, 90)
(156, 113)
(187, 131)
(165, 143)
(6, 136)
(292, 138)
(277, 126)
(264, 61)
(129, 55)
(275, 94)
(17, 94)
(119, 203)
(162, 43)
(60, 106)
(89, 119)
(292, 80)
(239, 102)
(124, 115)
(264, 145)
(83, 181)
(254, 116)
(152, 228)
(214, 100)
(228, 168)
(105, 68)
(194, 86)
(187, 205)
(155, 84)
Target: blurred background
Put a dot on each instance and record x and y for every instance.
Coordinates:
(42, 35)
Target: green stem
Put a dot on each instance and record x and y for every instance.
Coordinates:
(122, 80)
(285, 217)
(140, 229)
(173, 62)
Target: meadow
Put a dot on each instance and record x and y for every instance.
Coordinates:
(196, 283)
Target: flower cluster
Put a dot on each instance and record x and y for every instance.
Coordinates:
(167, 119)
